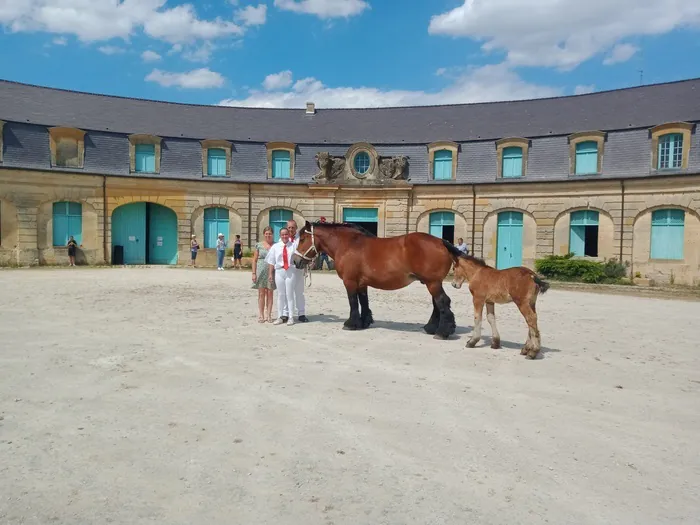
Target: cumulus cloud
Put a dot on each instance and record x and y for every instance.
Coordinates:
(280, 80)
(150, 56)
(196, 79)
(483, 84)
(200, 53)
(102, 20)
(110, 50)
(324, 8)
(252, 15)
(559, 33)
(620, 53)
(583, 89)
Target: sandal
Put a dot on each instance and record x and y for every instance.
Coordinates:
(261, 319)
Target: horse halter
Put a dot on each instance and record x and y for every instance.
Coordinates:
(312, 247)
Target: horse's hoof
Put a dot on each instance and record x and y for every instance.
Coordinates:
(441, 337)
(524, 350)
(532, 354)
(472, 343)
(430, 329)
(348, 327)
(496, 344)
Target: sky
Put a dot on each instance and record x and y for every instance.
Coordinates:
(347, 53)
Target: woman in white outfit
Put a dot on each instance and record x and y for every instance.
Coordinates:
(279, 260)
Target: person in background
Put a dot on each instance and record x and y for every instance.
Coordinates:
(220, 252)
(194, 248)
(461, 246)
(72, 248)
(237, 253)
(279, 264)
(261, 278)
(298, 276)
(323, 256)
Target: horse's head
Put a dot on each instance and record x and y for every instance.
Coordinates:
(306, 249)
(459, 274)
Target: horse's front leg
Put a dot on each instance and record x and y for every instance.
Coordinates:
(366, 314)
(478, 313)
(491, 318)
(353, 322)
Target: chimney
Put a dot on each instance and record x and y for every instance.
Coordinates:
(310, 108)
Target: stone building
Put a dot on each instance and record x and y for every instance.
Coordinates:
(605, 175)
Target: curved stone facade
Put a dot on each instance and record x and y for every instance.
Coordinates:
(444, 170)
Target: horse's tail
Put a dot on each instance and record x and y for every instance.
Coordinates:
(542, 285)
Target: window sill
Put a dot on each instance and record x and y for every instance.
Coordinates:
(666, 260)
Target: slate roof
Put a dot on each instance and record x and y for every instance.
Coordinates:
(628, 108)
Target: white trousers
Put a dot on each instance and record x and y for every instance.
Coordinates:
(285, 282)
(300, 302)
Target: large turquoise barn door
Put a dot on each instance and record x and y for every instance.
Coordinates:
(368, 218)
(162, 235)
(129, 231)
(509, 240)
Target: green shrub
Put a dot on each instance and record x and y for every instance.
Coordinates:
(566, 268)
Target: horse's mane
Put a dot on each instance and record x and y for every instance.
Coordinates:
(459, 254)
(337, 225)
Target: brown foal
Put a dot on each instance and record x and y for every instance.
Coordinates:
(489, 286)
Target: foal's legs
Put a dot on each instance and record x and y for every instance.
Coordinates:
(353, 322)
(532, 345)
(446, 326)
(478, 311)
(491, 318)
(366, 318)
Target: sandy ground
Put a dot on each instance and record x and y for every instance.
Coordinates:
(135, 396)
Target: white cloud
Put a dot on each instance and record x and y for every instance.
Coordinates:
(102, 20)
(60, 41)
(196, 79)
(483, 84)
(280, 80)
(324, 8)
(251, 15)
(620, 53)
(199, 54)
(150, 56)
(110, 50)
(560, 33)
(582, 89)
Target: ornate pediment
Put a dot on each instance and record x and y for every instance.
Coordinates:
(361, 165)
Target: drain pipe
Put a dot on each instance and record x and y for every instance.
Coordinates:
(250, 218)
(473, 219)
(409, 206)
(105, 251)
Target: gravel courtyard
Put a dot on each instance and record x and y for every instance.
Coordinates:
(152, 395)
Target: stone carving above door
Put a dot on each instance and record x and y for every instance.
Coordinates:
(361, 165)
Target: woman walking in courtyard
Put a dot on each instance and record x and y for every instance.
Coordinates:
(220, 252)
(194, 248)
(261, 281)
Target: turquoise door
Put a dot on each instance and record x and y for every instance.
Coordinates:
(162, 235)
(278, 220)
(129, 231)
(368, 218)
(509, 240)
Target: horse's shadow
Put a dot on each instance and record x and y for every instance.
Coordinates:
(418, 328)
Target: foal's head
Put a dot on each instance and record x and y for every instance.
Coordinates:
(465, 268)
(459, 275)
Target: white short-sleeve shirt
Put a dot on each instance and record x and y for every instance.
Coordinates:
(274, 256)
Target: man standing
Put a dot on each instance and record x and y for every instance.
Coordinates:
(298, 275)
(461, 246)
(280, 268)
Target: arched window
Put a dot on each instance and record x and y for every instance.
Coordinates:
(583, 233)
(442, 225)
(278, 220)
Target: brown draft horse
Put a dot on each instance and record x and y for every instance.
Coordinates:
(519, 285)
(363, 260)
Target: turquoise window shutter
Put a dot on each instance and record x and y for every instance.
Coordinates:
(439, 219)
(67, 221)
(145, 158)
(667, 234)
(360, 215)
(281, 164)
(216, 220)
(442, 165)
(512, 162)
(586, 158)
(216, 162)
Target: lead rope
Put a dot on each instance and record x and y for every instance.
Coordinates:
(307, 273)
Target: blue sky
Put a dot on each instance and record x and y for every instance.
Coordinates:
(347, 53)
